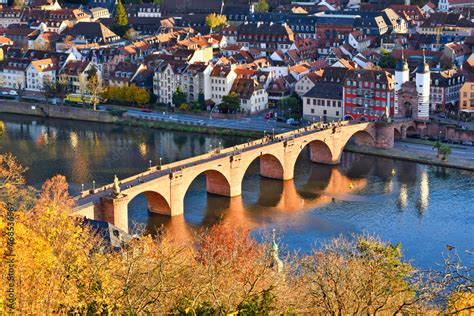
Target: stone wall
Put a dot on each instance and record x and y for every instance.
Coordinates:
(55, 111)
(450, 132)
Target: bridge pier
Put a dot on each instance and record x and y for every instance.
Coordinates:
(385, 135)
(115, 211)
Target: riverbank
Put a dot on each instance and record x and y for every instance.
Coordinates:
(413, 156)
(79, 114)
(190, 128)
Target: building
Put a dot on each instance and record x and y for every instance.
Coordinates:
(166, 80)
(193, 81)
(266, 37)
(323, 102)
(368, 94)
(13, 73)
(456, 53)
(91, 32)
(10, 16)
(221, 80)
(444, 90)
(99, 13)
(452, 5)
(143, 10)
(75, 73)
(466, 101)
(307, 82)
(252, 95)
(125, 73)
(41, 72)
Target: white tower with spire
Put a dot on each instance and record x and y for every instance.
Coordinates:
(423, 79)
(402, 75)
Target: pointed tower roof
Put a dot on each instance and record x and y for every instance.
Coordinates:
(423, 66)
(402, 64)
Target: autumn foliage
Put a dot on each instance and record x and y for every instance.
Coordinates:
(63, 267)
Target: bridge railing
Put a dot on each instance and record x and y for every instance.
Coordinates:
(222, 151)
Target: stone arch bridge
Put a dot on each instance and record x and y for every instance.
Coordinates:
(165, 186)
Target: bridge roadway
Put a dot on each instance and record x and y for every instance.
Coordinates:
(164, 170)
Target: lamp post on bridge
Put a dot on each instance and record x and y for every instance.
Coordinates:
(149, 162)
(93, 185)
(82, 187)
(160, 162)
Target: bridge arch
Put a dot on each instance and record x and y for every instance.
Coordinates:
(320, 152)
(397, 133)
(411, 130)
(270, 167)
(156, 201)
(362, 138)
(216, 183)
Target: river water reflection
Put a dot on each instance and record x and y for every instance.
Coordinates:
(423, 207)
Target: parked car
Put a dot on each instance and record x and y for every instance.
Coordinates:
(146, 110)
(12, 92)
(269, 115)
(467, 143)
(290, 121)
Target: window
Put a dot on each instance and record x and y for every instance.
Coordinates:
(312, 111)
(325, 112)
(337, 113)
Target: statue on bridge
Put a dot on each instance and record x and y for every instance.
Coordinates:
(116, 188)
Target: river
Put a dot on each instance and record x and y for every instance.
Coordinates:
(423, 207)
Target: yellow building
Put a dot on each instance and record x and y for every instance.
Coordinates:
(466, 96)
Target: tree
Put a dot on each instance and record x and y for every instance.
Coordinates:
(262, 6)
(443, 150)
(20, 89)
(179, 97)
(142, 97)
(214, 21)
(120, 20)
(132, 95)
(94, 86)
(49, 88)
(365, 276)
(201, 101)
(386, 60)
(230, 103)
(184, 107)
(62, 88)
(12, 180)
(292, 106)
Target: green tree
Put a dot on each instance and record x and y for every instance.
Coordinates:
(292, 106)
(386, 60)
(443, 150)
(120, 20)
(214, 21)
(179, 97)
(262, 6)
(230, 103)
(201, 101)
